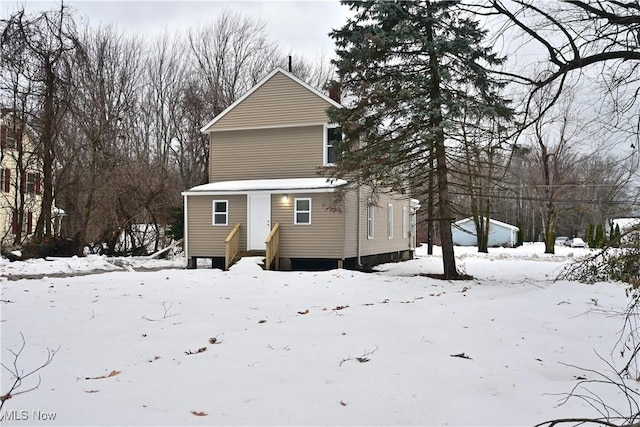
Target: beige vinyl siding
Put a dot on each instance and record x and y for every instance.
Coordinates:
(322, 239)
(205, 239)
(295, 152)
(351, 224)
(280, 101)
(381, 242)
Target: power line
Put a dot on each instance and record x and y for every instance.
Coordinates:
(539, 199)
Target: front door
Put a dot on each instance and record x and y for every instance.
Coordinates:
(259, 220)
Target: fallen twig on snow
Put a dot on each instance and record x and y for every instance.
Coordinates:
(19, 375)
(361, 359)
(461, 356)
(200, 350)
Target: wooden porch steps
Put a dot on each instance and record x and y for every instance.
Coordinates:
(243, 254)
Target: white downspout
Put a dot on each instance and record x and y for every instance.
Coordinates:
(185, 231)
(359, 207)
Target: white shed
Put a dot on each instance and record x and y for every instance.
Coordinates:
(500, 233)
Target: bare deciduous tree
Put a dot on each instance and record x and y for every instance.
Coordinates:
(105, 95)
(45, 41)
(39, 46)
(478, 169)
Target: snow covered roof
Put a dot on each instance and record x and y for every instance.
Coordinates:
(207, 127)
(625, 223)
(491, 221)
(288, 184)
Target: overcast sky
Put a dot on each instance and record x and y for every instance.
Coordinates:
(301, 26)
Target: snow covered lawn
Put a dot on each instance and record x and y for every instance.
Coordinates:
(254, 347)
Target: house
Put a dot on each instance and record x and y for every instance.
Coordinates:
(500, 233)
(20, 180)
(629, 229)
(625, 225)
(270, 154)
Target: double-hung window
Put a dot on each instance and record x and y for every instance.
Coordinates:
(220, 212)
(370, 218)
(5, 180)
(31, 183)
(404, 221)
(9, 137)
(390, 221)
(332, 136)
(302, 211)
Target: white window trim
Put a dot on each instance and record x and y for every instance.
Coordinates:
(404, 221)
(296, 211)
(226, 213)
(390, 220)
(370, 220)
(325, 143)
(30, 183)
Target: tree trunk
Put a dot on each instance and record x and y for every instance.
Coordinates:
(430, 204)
(550, 218)
(43, 226)
(444, 201)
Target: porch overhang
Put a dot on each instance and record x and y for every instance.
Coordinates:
(288, 185)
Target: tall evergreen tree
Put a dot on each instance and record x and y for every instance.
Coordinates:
(408, 69)
(599, 239)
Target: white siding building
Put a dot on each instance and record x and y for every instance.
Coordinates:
(500, 233)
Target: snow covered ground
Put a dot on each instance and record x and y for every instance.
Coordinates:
(150, 343)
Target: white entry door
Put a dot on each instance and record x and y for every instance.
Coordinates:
(259, 220)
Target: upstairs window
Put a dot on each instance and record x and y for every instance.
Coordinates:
(220, 212)
(9, 137)
(332, 136)
(302, 212)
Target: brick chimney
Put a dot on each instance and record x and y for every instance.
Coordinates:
(334, 91)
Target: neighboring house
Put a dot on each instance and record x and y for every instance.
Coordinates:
(624, 224)
(269, 151)
(629, 229)
(500, 233)
(20, 179)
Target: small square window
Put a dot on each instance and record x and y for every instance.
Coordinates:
(220, 212)
(302, 212)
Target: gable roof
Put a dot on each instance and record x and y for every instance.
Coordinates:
(625, 223)
(6, 120)
(206, 128)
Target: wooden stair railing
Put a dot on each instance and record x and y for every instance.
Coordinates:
(273, 248)
(232, 246)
